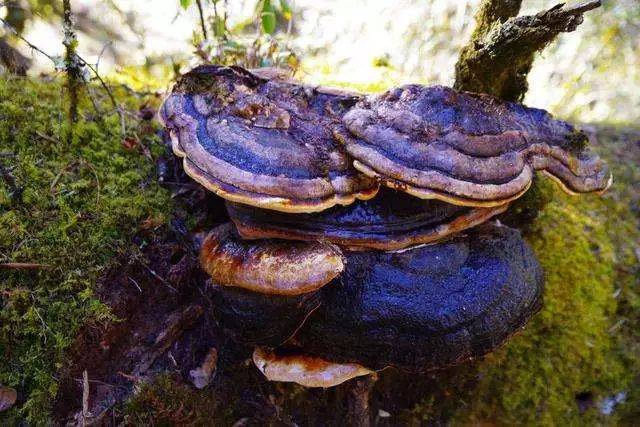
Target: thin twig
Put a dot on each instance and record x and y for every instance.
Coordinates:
(201, 12)
(102, 82)
(94, 102)
(91, 67)
(47, 137)
(106, 88)
(135, 284)
(53, 184)
(104, 48)
(24, 266)
(95, 175)
(156, 275)
(27, 42)
(85, 398)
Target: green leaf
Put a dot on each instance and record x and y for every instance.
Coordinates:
(287, 13)
(185, 4)
(218, 26)
(268, 17)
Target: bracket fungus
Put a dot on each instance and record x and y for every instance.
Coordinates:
(266, 143)
(463, 148)
(391, 221)
(330, 275)
(427, 307)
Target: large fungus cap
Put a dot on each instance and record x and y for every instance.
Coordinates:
(273, 267)
(463, 148)
(263, 142)
(390, 221)
(427, 307)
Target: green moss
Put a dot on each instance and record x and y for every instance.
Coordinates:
(168, 402)
(584, 341)
(72, 207)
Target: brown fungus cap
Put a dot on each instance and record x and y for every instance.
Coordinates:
(390, 221)
(305, 370)
(463, 148)
(275, 267)
(262, 141)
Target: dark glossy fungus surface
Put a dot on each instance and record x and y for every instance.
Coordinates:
(392, 220)
(428, 307)
(258, 319)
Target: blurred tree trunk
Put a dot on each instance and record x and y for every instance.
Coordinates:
(12, 60)
(503, 46)
(14, 22)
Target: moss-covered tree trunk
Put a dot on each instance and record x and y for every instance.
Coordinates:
(72, 65)
(503, 46)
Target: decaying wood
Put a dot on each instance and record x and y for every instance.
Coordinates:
(176, 324)
(23, 266)
(501, 51)
(358, 397)
(202, 375)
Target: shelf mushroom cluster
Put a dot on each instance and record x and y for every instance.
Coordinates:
(360, 236)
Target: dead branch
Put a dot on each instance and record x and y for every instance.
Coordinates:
(85, 398)
(24, 266)
(502, 49)
(494, 12)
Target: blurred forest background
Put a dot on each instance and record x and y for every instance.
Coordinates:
(369, 44)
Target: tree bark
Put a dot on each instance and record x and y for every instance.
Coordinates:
(71, 62)
(501, 51)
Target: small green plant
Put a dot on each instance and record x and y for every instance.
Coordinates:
(261, 40)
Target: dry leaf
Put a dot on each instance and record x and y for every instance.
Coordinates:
(8, 398)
